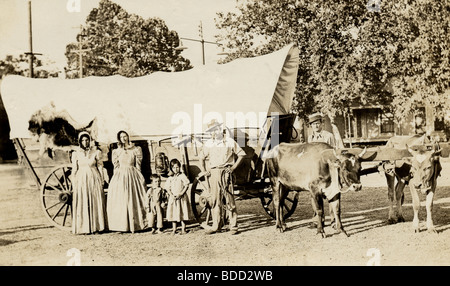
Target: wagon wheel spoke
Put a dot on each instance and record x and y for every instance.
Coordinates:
(58, 180)
(290, 200)
(65, 214)
(50, 195)
(208, 216)
(59, 210)
(288, 207)
(203, 185)
(267, 204)
(52, 187)
(52, 206)
(66, 179)
(269, 201)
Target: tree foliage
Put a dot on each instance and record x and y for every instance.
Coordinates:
(351, 51)
(19, 65)
(116, 42)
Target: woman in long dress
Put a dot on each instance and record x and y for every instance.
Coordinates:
(88, 202)
(127, 188)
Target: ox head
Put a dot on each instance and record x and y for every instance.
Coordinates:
(425, 168)
(349, 167)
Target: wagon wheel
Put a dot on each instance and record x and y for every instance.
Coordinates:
(56, 197)
(200, 201)
(290, 203)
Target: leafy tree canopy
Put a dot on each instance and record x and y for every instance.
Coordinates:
(19, 65)
(116, 42)
(351, 51)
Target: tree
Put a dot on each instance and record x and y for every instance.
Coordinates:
(19, 65)
(423, 69)
(116, 42)
(350, 52)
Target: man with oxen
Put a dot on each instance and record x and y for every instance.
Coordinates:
(319, 134)
(314, 167)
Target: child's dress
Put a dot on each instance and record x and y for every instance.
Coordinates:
(177, 210)
(127, 191)
(88, 202)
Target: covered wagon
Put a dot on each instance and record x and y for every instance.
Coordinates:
(165, 113)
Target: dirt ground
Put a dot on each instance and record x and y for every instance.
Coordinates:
(28, 239)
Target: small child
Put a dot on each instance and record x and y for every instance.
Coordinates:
(177, 206)
(155, 194)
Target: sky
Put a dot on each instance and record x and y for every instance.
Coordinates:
(55, 23)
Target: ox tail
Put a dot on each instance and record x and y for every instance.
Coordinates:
(271, 169)
(269, 158)
(272, 153)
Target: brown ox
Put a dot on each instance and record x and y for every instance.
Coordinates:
(313, 167)
(402, 172)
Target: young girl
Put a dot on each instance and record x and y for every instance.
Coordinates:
(177, 206)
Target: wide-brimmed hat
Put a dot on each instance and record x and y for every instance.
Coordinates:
(213, 124)
(314, 117)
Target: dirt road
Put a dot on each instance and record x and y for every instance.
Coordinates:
(27, 238)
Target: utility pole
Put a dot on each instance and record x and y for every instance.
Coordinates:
(80, 51)
(200, 30)
(201, 40)
(30, 37)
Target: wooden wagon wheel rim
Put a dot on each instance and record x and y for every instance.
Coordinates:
(56, 197)
(289, 206)
(204, 211)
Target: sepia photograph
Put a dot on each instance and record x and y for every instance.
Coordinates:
(225, 133)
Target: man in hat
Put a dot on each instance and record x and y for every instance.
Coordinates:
(221, 151)
(315, 120)
(318, 134)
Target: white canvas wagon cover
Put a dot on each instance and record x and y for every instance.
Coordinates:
(162, 103)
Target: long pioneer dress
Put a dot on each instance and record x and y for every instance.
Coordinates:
(88, 203)
(127, 191)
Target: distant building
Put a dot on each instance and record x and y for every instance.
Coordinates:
(371, 125)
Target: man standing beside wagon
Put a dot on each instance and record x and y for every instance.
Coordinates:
(221, 151)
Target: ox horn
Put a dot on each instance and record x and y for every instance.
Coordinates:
(362, 152)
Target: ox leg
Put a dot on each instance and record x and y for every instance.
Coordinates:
(429, 206)
(283, 194)
(318, 203)
(277, 206)
(316, 215)
(335, 205)
(416, 207)
(399, 197)
(332, 214)
(390, 178)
